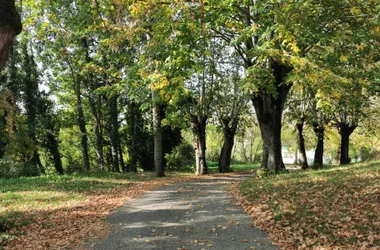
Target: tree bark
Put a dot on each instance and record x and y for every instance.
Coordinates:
(229, 137)
(10, 26)
(345, 130)
(157, 134)
(198, 127)
(82, 125)
(269, 111)
(318, 154)
(301, 146)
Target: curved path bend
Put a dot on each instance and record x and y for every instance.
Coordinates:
(199, 214)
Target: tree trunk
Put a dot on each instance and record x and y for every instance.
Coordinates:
(301, 146)
(54, 150)
(157, 134)
(10, 26)
(318, 154)
(251, 141)
(96, 110)
(198, 126)
(114, 133)
(122, 164)
(345, 130)
(229, 137)
(82, 126)
(134, 124)
(269, 110)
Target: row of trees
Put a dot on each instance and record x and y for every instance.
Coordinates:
(120, 79)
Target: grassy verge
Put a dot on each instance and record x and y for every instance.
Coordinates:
(336, 207)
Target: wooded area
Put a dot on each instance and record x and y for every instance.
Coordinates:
(100, 99)
(114, 84)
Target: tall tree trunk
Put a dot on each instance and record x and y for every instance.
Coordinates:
(96, 111)
(10, 26)
(269, 111)
(114, 133)
(134, 125)
(31, 95)
(296, 157)
(54, 150)
(158, 115)
(251, 141)
(122, 164)
(198, 127)
(82, 125)
(301, 146)
(95, 102)
(318, 154)
(229, 137)
(345, 130)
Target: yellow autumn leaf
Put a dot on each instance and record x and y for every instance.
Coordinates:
(343, 59)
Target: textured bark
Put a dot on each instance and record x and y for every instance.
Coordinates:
(198, 127)
(269, 111)
(318, 154)
(157, 134)
(301, 146)
(345, 130)
(229, 131)
(10, 26)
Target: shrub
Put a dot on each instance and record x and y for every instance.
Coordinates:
(12, 169)
(181, 156)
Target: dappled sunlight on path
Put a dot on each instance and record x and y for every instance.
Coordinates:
(194, 215)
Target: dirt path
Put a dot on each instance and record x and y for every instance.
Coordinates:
(193, 215)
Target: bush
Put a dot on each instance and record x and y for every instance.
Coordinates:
(13, 169)
(182, 156)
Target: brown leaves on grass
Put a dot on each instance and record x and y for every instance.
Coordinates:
(68, 227)
(335, 209)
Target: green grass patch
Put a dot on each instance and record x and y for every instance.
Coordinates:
(338, 203)
(213, 168)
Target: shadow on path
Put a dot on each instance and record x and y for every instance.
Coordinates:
(193, 215)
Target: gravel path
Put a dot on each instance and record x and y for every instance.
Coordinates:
(192, 215)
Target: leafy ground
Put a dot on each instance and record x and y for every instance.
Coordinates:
(334, 208)
(64, 211)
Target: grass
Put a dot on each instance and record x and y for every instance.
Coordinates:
(327, 208)
(213, 167)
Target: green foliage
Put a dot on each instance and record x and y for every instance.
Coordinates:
(181, 156)
(10, 168)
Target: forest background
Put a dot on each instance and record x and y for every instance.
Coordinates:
(152, 85)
